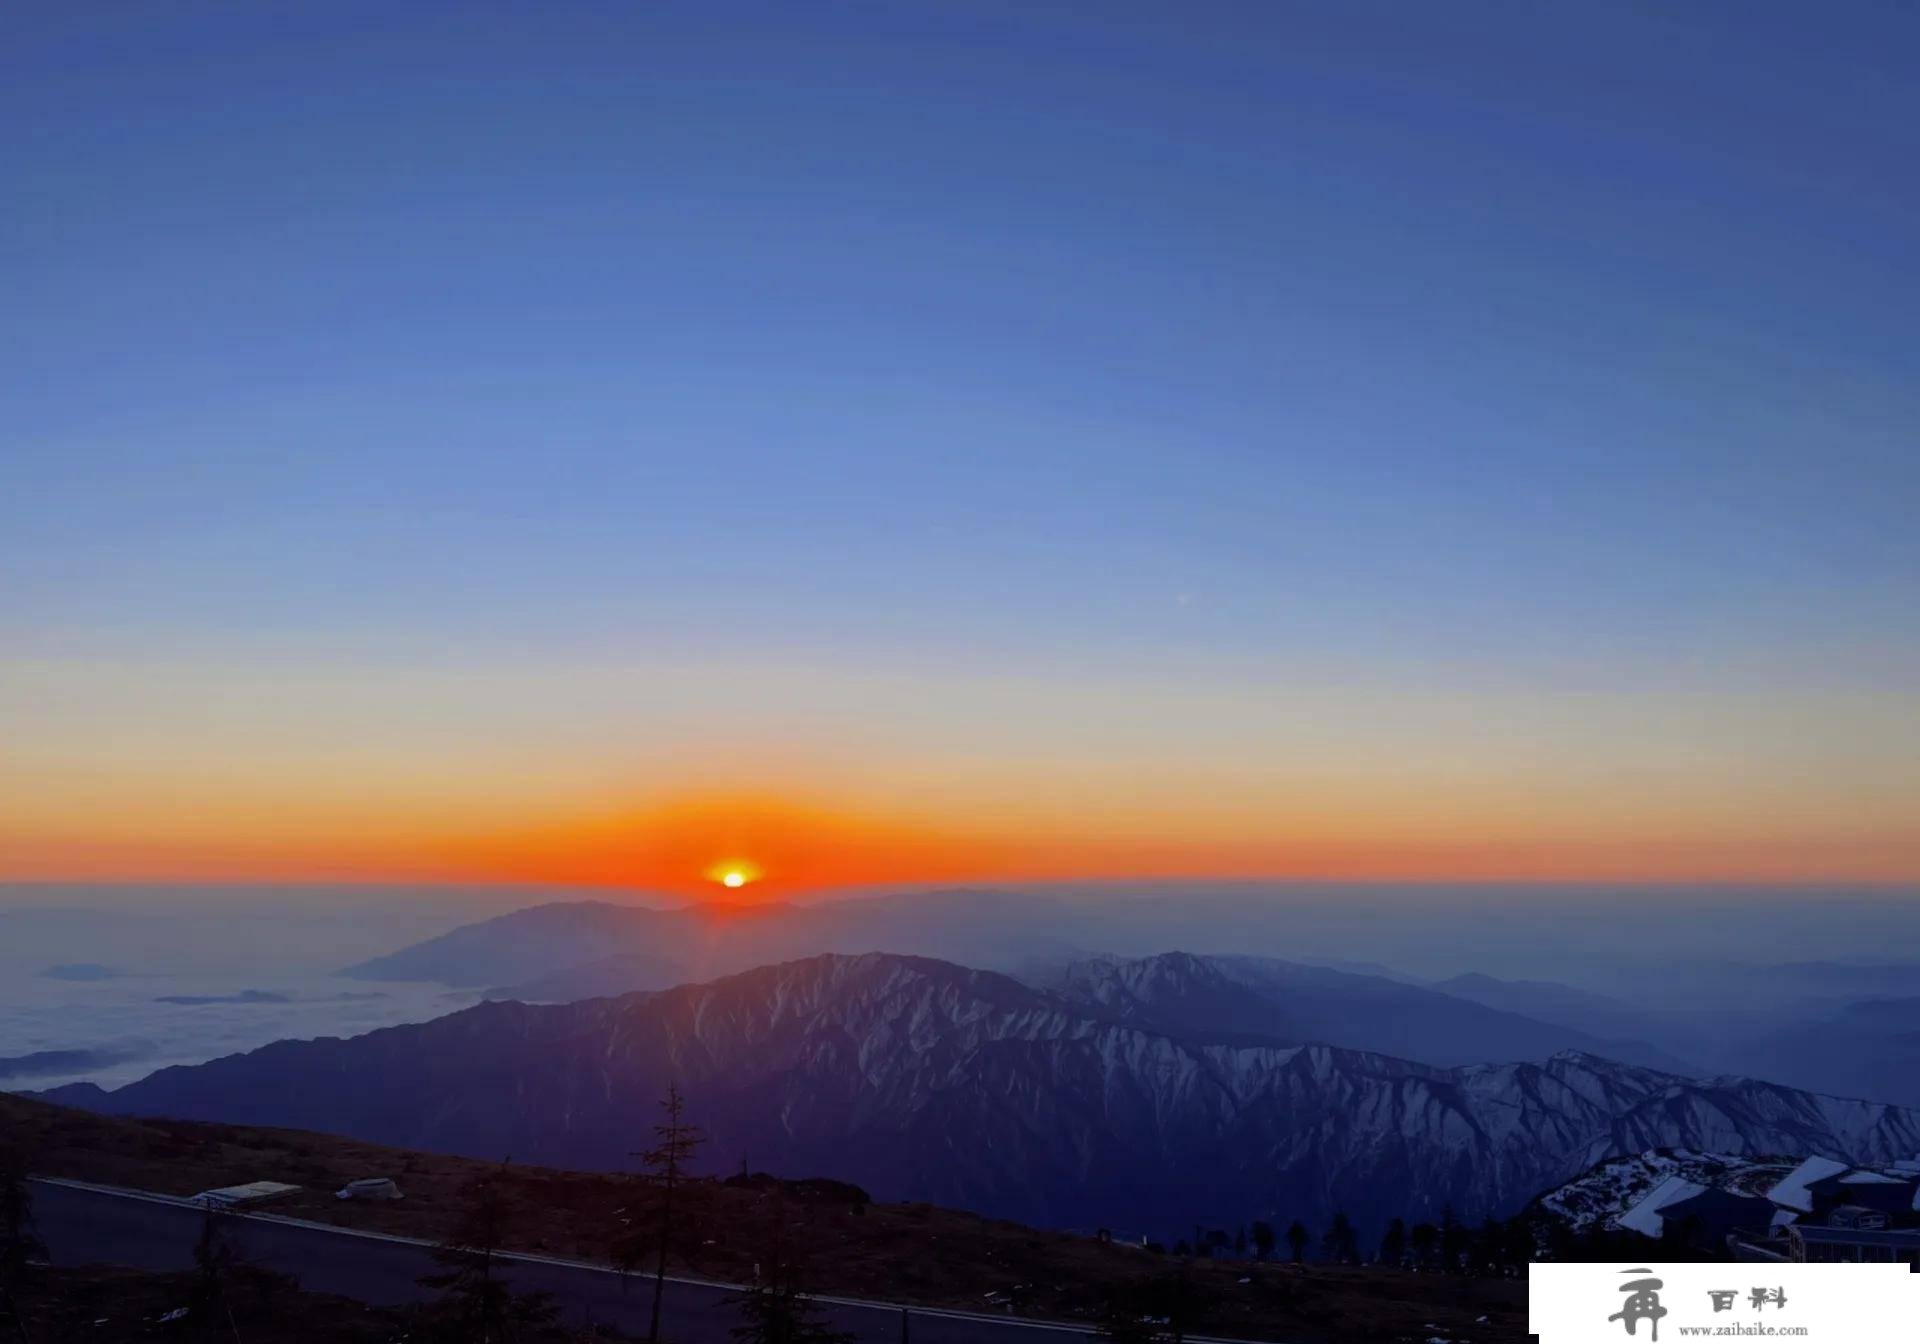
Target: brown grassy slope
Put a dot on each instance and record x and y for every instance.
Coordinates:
(900, 1252)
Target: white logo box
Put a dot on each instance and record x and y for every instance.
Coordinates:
(1838, 1303)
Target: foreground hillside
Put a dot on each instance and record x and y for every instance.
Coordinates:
(908, 1253)
(927, 1081)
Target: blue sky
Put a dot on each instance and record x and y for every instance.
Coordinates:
(1469, 350)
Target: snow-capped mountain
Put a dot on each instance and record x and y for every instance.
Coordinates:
(564, 952)
(924, 1080)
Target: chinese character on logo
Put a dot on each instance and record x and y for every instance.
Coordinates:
(1762, 1296)
(1722, 1298)
(1642, 1305)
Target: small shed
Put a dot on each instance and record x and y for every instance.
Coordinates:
(370, 1187)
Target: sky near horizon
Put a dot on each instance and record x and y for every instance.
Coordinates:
(910, 442)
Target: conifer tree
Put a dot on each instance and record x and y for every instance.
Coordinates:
(1340, 1244)
(1173, 1298)
(477, 1304)
(1263, 1239)
(658, 1225)
(1453, 1241)
(1124, 1317)
(1393, 1246)
(215, 1257)
(776, 1307)
(1517, 1245)
(18, 1245)
(1423, 1239)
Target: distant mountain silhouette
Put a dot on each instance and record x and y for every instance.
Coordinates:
(1285, 1003)
(550, 952)
(919, 1079)
(1563, 1005)
(42, 1062)
(561, 953)
(1870, 1047)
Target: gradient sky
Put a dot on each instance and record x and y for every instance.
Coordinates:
(909, 442)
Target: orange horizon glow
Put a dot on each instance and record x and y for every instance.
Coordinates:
(743, 849)
(846, 459)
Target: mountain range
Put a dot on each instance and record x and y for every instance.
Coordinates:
(565, 952)
(1138, 1095)
(1823, 1026)
(1230, 999)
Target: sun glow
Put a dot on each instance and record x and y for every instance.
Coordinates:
(733, 874)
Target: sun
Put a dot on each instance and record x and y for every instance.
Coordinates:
(733, 874)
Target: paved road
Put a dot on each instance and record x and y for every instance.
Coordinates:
(93, 1224)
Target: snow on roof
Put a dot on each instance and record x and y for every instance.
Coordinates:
(251, 1192)
(1792, 1189)
(1870, 1178)
(1782, 1217)
(1644, 1217)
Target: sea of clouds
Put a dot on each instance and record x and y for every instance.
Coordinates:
(107, 984)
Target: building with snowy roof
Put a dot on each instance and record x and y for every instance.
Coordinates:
(1707, 1219)
(1645, 1215)
(1794, 1190)
(1819, 1186)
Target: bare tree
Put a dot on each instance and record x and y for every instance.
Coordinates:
(658, 1227)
